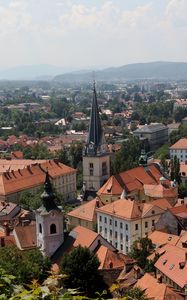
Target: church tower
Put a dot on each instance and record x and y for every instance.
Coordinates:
(96, 158)
(49, 222)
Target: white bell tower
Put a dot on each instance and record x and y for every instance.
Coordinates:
(49, 222)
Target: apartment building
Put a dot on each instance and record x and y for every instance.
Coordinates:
(124, 221)
(179, 149)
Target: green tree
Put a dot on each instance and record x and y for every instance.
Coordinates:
(24, 265)
(140, 249)
(175, 169)
(135, 293)
(76, 153)
(31, 201)
(81, 267)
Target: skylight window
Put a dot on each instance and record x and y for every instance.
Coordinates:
(171, 267)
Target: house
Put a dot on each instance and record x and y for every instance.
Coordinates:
(81, 236)
(8, 210)
(84, 215)
(171, 268)
(180, 103)
(155, 133)
(154, 289)
(32, 178)
(131, 183)
(25, 237)
(112, 263)
(179, 149)
(124, 221)
(160, 238)
(173, 220)
(183, 173)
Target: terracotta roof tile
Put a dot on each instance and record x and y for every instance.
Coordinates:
(34, 175)
(86, 211)
(169, 264)
(180, 144)
(155, 290)
(26, 236)
(162, 203)
(160, 238)
(84, 237)
(126, 209)
(131, 180)
(110, 259)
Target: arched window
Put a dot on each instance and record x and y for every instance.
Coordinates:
(52, 229)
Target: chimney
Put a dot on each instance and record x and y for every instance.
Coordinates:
(97, 203)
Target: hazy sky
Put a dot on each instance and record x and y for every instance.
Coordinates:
(84, 33)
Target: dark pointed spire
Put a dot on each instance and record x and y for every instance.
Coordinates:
(48, 196)
(95, 136)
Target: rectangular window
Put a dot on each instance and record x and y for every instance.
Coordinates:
(136, 226)
(126, 226)
(40, 228)
(153, 222)
(127, 238)
(91, 168)
(121, 247)
(121, 225)
(100, 229)
(105, 220)
(116, 234)
(105, 230)
(100, 218)
(127, 250)
(110, 232)
(116, 245)
(146, 224)
(116, 223)
(110, 221)
(121, 236)
(104, 168)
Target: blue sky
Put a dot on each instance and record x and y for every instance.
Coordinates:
(88, 33)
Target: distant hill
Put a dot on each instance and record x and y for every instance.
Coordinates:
(33, 72)
(153, 70)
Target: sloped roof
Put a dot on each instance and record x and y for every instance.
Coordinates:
(155, 290)
(150, 128)
(126, 209)
(159, 191)
(86, 211)
(162, 203)
(180, 144)
(83, 237)
(110, 259)
(34, 175)
(111, 187)
(26, 236)
(130, 180)
(179, 211)
(161, 238)
(169, 264)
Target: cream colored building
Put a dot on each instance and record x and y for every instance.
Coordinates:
(124, 221)
(32, 177)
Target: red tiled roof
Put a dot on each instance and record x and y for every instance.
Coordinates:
(159, 191)
(155, 290)
(130, 180)
(160, 238)
(126, 209)
(179, 211)
(84, 237)
(34, 175)
(86, 211)
(162, 203)
(169, 264)
(26, 235)
(180, 144)
(110, 259)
